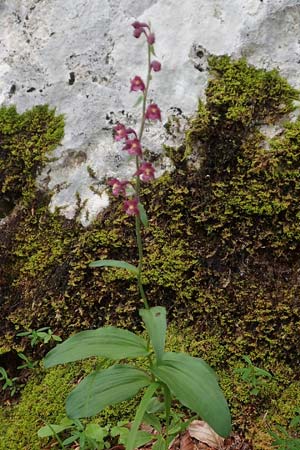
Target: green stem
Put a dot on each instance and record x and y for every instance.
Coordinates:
(168, 400)
(140, 135)
(138, 188)
(140, 265)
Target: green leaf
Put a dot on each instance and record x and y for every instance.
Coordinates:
(115, 263)
(94, 431)
(24, 333)
(108, 342)
(142, 408)
(142, 437)
(160, 444)
(139, 101)
(155, 405)
(156, 325)
(152, 420)
(152, 51)
(51, 430)
(72, 438)
(143, 215)
(104, 388)
(194, 384)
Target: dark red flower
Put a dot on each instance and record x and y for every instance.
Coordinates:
(146, 171)
(137, 32)
(118, 187)
(156, 66)
(153, 112)
(139, 28)
(120, 132)
(137, 84)
(131, 131)
(131, 206)
(133, 147)
(138, 24)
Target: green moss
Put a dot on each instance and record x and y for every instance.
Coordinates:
(44, 396)
(42, 401)
(241, 93)
(26, 140)
(221, 251)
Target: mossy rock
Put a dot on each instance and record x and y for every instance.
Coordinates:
(26, 140)
(221, 250)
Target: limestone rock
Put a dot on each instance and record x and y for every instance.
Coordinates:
(79, 55)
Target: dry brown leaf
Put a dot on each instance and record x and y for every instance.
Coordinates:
(186, 442)
(201, 431)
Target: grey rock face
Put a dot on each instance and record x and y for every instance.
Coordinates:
(79, 55)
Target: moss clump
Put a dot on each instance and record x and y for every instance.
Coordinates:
(26, 140)
(221, 251)
(42, 401)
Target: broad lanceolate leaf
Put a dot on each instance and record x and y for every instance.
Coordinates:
(104, 388)
(156, 325)
(194, 384)
(108, 342)
(115, 263)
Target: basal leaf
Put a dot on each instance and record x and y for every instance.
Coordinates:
(115, 263)
(104, 388)
(194, 384)
(156, 325)
(108, 342)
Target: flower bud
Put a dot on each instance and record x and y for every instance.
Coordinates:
(156, 66)
(151, 38)
(138, 24)
(137, 32)
(139, 28)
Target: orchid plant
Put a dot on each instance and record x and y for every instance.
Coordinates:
(165, 375)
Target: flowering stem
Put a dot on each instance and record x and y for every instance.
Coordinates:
(138, 188)
(140, 135)
(140, 248)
